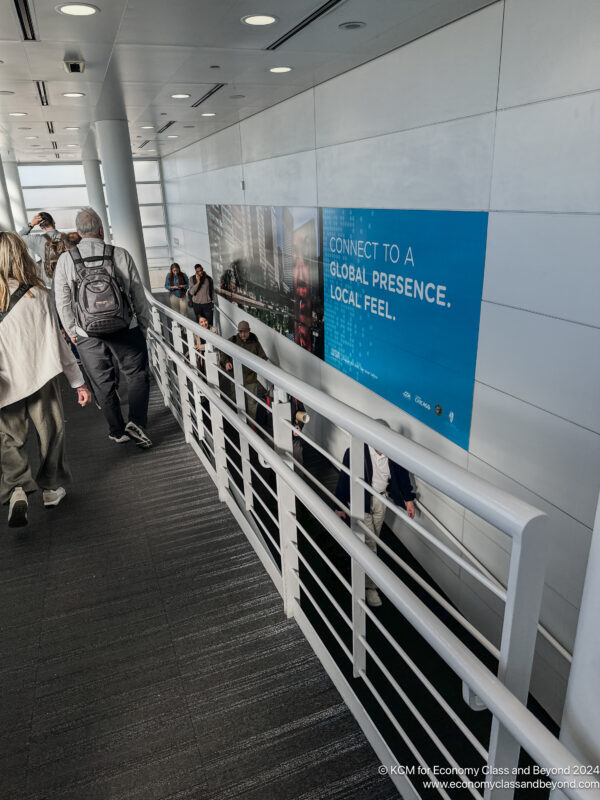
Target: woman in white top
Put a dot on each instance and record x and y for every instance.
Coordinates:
(33, 353)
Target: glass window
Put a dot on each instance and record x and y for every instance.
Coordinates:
(152, 215)
(149, 193)
(52, 175)
(64, 218)
(56, 196)
(146, 170)
(154, 237)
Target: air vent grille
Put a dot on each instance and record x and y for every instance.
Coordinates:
(326, 7)
(167, 126)
(50, 126)
(41, 87)
(208, 94)
(143, 144)
(25, 20)
(54, 145)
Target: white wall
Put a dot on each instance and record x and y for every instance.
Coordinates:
(498, 112)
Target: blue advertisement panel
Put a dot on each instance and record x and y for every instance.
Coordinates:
(402, 298)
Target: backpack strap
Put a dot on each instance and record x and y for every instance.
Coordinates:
(14, 299)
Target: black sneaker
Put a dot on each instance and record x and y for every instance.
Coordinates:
(138, 435)
(17, 509)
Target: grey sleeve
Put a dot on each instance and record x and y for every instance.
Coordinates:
(137, 294)
(62, 296)
(36, 243)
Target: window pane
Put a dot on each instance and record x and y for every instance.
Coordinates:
(56, 196)
(154, 237)
(157, 252)
(52, 175)
(152, 215)
(146, 170)
(160, 263)
(149, 193)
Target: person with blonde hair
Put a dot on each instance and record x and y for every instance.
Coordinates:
(33, 353)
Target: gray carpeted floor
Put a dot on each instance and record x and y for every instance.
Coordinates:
(144, 652)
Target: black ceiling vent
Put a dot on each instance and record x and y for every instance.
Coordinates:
(50, 126)
(324, 9)
(208, 94)
(25, 20)
(54, 145)
(41, 87)
(57, 155)
(143, 144)
(167, 125)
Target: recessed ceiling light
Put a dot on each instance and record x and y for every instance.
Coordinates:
(172, 136)
(352, 25)
(72, 145)
(72, 128)
(18, 114)
(77, 9)
(236, 96)
(73, 94)
(279, 70)
(6, 92)
(208, 114)
(32, 137)
(180, 96)
(147, 127)
(259, 19)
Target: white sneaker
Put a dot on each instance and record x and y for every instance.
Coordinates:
(373, 598)
(17, 508)
(138, 435)
(52, 497)
(119, 439)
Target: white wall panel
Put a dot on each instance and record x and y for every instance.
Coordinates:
(546, 263)
(218, 151)
(191, 216)
(172, 190)
(288, 127)
(545, 361)
(283, 181)
(547, 156)
(451, 73)
(442, 166)
(217, 186)
(552, 457)
(549, 48)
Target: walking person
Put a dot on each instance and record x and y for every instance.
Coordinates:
(249, 341)
(202, 294)
(102, 305)
(48, 246)
(176, 283)
(33, 353)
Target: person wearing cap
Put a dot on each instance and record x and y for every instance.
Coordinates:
(36, 244)
(249, 341)
(386, 479)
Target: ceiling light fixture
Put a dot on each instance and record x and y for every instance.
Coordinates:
(259, 19)
(77, 9)
(147, 127)
(32, 137)
(18, 114)
(208, 114)
(73, 94)
(172, 136)
(352, 25)
(72, 145)
(72, 128)
(181, 96)
(280, 70)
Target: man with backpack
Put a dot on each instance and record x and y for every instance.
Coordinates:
(48, 246)
(102, 305)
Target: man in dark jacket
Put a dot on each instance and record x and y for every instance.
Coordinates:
(244, 338)
(386, 478)
(201, 293)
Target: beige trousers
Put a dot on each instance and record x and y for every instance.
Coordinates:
(374, 522)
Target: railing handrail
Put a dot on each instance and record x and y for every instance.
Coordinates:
(492, 504)
(532, 735)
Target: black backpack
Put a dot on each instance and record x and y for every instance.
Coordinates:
(100, 303)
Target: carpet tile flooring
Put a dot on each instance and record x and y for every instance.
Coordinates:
(144, 653)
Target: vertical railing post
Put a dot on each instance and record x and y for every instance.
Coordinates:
(240, 401)
(286, 502)
(357, 515)
(216, 419)
(162, 359)
(519, 633)
(184, 397)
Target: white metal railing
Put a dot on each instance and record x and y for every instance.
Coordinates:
(210, 404)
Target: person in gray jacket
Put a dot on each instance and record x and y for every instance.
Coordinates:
(36, 243)
(126, 345)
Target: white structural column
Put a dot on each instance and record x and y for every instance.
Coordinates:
(15, 191)
(112, 136)
(7, 222)
(93, 181)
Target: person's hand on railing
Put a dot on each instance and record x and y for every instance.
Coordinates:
(341, 514)
(410, 509)
(229, 366)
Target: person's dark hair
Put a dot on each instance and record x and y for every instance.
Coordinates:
(172, 274)
(47, 220)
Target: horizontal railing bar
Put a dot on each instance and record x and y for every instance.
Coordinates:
(332, 630)
(487, 501)
(318, 448)
(322, 586)
(474, 741)
(257, 519)
(325, 558)
(420, 718)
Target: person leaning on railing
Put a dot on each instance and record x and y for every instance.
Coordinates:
(387, 479)
(249, 341)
